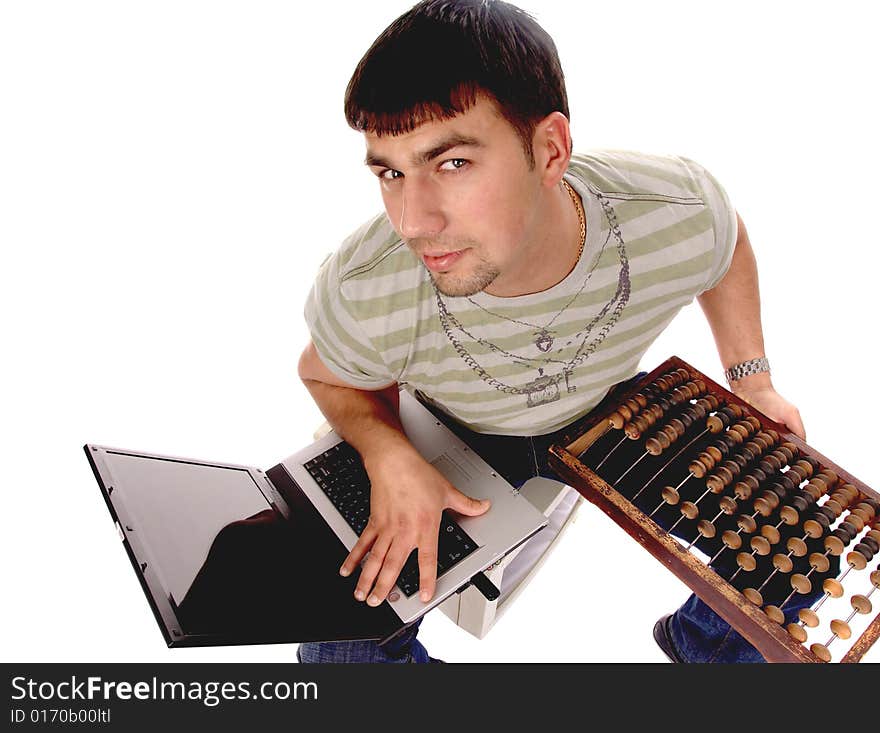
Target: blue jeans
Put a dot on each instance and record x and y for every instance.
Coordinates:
(698, 633)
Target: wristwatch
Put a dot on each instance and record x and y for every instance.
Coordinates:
(753, 366)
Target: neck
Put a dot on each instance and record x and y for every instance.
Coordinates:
(550, 254)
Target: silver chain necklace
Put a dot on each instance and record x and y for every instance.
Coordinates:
(545, 388)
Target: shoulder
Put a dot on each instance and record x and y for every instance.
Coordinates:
(373, 250)
(625, 173)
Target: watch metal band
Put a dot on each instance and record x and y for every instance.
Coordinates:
(753, 366)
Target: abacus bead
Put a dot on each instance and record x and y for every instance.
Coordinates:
(771, 533)
(760, 545)
(753, 597)
(716, 482)
(763, 506)
(806, 466)
(821, 651)
(857, 560)
(819, 562)
(809, 617)
(796, 546)
(864, 551)
(697, 468)
(653, 446)
(670, 495)
(841, 628)
(834, 507)
(789, 515)
(797, 632)
(706, 528)
(782, 563)
(754, 422)
(727, 504)
(746, 523)
(746, 561)
(785, 483)
(861, 603)
(832, 587)
(875, 578)
(827, 512)
(667, 435)
(801, 583)
(834, 545)
(715, 423)
(617, 420)
(800, 504)
(769, 464)
(774, 614)
(731, 539)
(690, 510)
(815, 527)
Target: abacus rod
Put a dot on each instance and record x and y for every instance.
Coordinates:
(608, 455)
(620, 478)
(665, 465)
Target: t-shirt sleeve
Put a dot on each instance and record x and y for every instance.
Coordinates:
(723, 219)
(338, 334)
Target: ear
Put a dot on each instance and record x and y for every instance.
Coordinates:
(552, 146)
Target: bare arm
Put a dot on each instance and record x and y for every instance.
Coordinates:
(407, 495)
(733, 310)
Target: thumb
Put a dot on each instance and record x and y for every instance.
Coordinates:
(464, 504)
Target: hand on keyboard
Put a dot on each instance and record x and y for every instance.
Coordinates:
(407, 498)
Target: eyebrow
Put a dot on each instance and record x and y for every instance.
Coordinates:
(419, 159)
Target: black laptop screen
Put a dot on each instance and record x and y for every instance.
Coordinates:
(232, 566)
(215, 541)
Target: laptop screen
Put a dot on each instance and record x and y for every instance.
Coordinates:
(223, 564)
(214, 540)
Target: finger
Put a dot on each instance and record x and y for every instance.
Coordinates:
(466, 505)
(365, 541)
(793, 420)
(394, 560)
(427, 566)
(371, 567)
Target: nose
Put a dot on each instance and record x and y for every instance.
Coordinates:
(420, 210)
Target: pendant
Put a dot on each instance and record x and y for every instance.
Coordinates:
(542, 391)
(544, 340)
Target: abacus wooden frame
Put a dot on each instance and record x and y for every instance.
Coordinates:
(770, 639)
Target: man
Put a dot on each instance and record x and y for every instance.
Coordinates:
(510, 282)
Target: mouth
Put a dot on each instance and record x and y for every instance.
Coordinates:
(441, 262)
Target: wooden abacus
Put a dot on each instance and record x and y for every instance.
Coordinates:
(677, 452)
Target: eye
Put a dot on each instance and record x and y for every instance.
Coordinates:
(455, 164)
(389, 174)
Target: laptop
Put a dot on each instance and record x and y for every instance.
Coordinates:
(229, 554)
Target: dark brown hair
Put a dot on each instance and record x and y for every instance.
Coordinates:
(435, 59)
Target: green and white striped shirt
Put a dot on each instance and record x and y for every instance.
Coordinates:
(660, 231)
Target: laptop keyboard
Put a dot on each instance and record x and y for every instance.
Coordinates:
(340, 473)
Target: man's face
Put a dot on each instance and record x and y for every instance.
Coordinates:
(461, 194)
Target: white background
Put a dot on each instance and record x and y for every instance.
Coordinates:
(173, 173)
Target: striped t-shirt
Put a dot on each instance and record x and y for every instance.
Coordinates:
(660, 231)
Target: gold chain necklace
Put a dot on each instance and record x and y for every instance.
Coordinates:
(582, 219)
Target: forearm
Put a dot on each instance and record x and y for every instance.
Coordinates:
(368, 421)
(733, 311)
